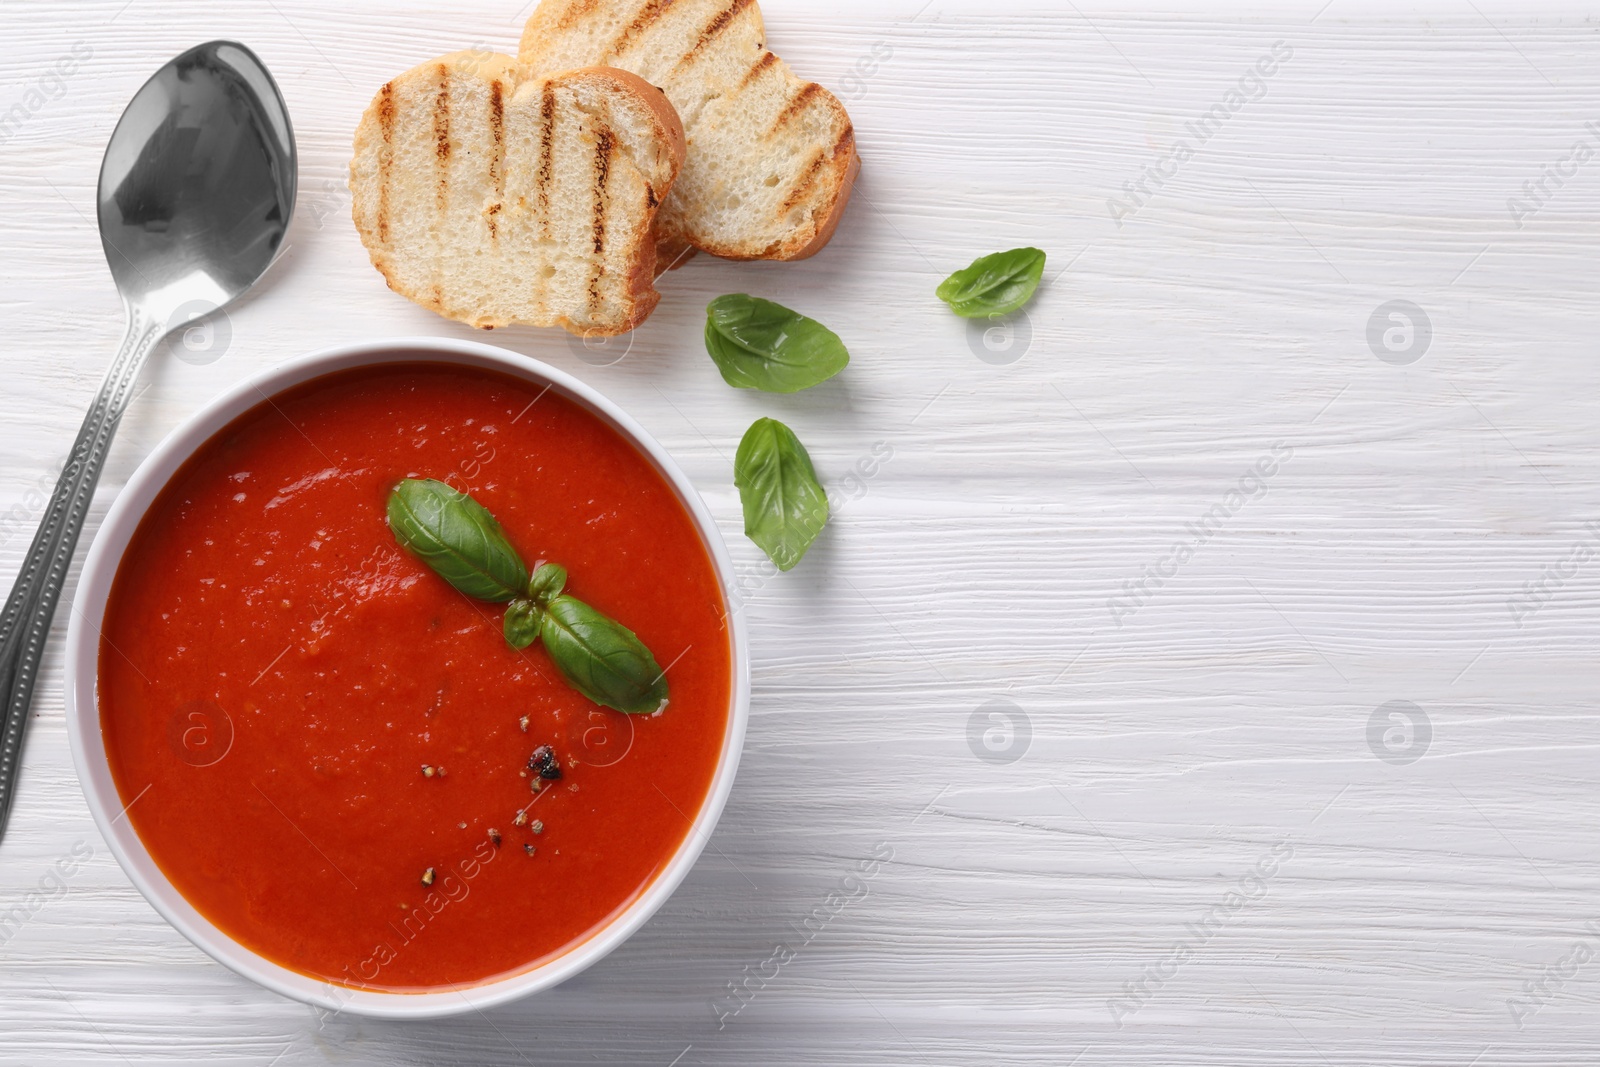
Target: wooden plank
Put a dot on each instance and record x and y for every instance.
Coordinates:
(1186, 734)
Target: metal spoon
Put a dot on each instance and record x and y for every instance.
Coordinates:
(196, 191)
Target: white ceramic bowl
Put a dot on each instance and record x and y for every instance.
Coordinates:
(83, 717)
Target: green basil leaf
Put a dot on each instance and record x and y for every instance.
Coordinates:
(785, 507)
(994, 285)
(601, 658)
(547, 582)
(458, 538)
(761, 345)
(522, 622)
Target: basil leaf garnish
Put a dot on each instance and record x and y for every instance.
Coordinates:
(994, 285)
(458, 538)
(462, 542)
(757, 344)
(522, 622)
(785, 507)
(547, 582)
(601, 658)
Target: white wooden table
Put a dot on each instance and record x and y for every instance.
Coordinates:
(1188, 841)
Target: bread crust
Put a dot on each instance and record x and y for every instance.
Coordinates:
(642, 275)
(846, 185)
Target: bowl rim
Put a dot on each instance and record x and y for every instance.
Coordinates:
(82, 708)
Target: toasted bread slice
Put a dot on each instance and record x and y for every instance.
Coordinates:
(494, 201)
(771, 157)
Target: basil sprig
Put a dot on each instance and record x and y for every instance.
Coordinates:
(785, 507)
(993, 285)
(521, 624)
(757, 344)
(462, 542)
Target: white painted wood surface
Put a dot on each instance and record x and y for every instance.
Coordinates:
(1439, 911)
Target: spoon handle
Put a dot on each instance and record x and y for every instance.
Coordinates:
(25, 623)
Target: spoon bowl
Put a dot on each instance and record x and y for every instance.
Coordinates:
(196, 192)
(198, 182)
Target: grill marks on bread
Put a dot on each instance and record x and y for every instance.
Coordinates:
(577, 11)
(752, 187)
(652, 10)
(547, 133)
(758, 68)
(386, 157)
(492, 201)
(808, 176)
(797, 104)
(604, 143)
(497, 157)
(719, 22)
(441, 136)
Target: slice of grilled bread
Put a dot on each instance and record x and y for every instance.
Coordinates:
(494, 201)
(771, 157)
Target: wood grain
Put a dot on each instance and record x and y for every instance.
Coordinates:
(1440, 911)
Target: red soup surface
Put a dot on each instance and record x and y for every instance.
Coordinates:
(304, 719)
